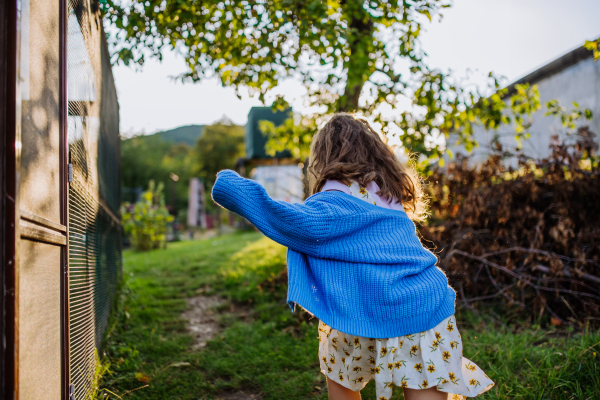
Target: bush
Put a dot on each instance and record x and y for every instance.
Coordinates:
(527, 238)
(145, 222)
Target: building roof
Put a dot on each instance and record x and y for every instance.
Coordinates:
(552, 68)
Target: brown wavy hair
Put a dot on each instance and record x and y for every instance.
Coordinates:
(348, 149)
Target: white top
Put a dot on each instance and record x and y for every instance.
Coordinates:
(368, 194)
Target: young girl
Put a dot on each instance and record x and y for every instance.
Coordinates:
(355, 262)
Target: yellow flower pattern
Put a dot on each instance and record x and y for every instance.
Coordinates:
(413, 350)
(430, 358)
(446, 355)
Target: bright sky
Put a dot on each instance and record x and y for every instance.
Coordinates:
(509, 37)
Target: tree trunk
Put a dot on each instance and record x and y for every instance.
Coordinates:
(349, 101)
(360, 39)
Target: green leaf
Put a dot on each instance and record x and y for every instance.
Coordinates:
(241, 44)
(427, 14)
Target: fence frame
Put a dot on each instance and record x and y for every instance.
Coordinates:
(12, 216)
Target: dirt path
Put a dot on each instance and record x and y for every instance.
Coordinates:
(201, 319)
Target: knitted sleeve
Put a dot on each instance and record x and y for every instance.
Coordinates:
(301, 227)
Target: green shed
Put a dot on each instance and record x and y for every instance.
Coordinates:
(255, 140)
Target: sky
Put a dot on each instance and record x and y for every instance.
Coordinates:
(509, 37)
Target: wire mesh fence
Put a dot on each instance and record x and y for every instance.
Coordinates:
(94, 193)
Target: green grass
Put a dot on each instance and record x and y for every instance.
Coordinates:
(272, 352)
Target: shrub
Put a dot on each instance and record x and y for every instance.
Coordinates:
(528, 237)
(145, 222)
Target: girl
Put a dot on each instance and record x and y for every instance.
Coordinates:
(355, 262)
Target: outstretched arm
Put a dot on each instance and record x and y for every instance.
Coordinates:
(301, 227)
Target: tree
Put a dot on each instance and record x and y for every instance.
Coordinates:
(141, 158)
(145, 158)
(351, 56)
(219, 147)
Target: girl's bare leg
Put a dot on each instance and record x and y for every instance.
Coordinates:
(338, 392)
(425, 394)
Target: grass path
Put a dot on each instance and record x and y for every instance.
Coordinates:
(273, 353)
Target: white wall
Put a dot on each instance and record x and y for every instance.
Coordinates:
(579, 83)
(282, 182)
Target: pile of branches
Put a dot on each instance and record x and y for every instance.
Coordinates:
(525, 237)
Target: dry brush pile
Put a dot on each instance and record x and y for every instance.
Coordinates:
(526, 237)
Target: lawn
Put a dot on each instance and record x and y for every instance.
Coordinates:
(265, 350)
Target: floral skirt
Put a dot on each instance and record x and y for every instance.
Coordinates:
(417, 361)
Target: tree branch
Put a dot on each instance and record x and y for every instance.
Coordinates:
(523, 278)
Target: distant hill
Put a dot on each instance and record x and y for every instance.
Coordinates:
(184, 134)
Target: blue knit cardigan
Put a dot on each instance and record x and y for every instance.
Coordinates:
(359, 268)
